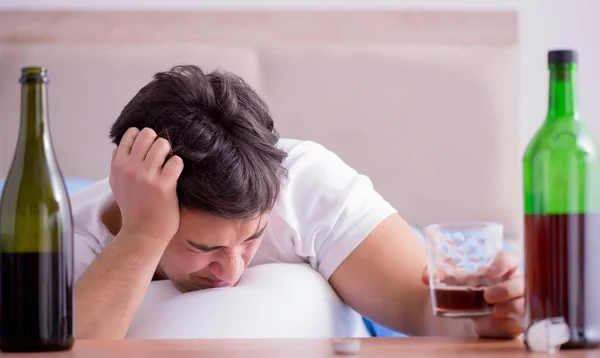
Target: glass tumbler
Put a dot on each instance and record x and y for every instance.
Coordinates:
(458, 258)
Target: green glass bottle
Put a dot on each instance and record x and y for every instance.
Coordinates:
(36, 235)
(561, 179)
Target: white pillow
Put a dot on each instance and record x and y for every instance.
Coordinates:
(270, 301)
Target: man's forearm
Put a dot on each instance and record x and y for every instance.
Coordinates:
(412, 315)
(109, 293)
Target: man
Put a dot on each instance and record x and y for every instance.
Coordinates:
(201, 186)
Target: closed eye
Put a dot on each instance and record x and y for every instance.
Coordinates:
(194, 247)
(202, 249)
(196, 251)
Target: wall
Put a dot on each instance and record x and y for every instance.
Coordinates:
(543, 24)
(552, 24)
(257, 4)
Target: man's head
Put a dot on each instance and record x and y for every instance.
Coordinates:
(232, 171)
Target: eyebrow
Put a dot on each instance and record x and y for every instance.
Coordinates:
(206, 248)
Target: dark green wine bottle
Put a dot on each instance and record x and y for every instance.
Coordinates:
(36, 235)
(561, 179)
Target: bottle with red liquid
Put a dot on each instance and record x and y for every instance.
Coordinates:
(561, 177)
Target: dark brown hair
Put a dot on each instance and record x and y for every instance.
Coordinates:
(223, 132)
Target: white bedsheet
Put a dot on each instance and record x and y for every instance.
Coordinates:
(271, 301)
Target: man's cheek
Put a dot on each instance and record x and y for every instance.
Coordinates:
(182, 261)
(194, 263)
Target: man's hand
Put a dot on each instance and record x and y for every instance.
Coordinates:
(144, 184)
(506, 298)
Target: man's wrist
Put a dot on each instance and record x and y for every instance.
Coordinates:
(141, 236)
(140, 242)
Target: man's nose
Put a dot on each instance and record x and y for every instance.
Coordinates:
(228, 267)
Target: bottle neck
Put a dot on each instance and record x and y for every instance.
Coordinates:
(562, 99)
(33, 131)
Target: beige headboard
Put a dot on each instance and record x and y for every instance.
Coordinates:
(425, 103)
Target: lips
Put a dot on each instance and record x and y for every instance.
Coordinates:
(214, 283)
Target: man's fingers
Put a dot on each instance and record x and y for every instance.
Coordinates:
(505, 264)
(493, 327)
(142, 143)
(157, 154)
(515, 307)
(509, 325)
(505, 291)
(172, 168)
(126, 144)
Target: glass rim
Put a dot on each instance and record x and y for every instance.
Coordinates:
(461, 225)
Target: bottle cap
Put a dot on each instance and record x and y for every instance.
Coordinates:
(34, 74)
(546, 336)
(346, 346)
(36, 70)
(562, 56)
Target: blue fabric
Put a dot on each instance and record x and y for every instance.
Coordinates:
(73, 184)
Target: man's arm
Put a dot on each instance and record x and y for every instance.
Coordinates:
(372, 258)
(368, 253)
(109, 293)
(381, 279)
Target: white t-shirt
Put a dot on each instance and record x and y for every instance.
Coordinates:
(326, 209)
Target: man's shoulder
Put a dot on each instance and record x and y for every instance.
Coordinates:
(291, 146)
(314, 172)
(302, 153)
